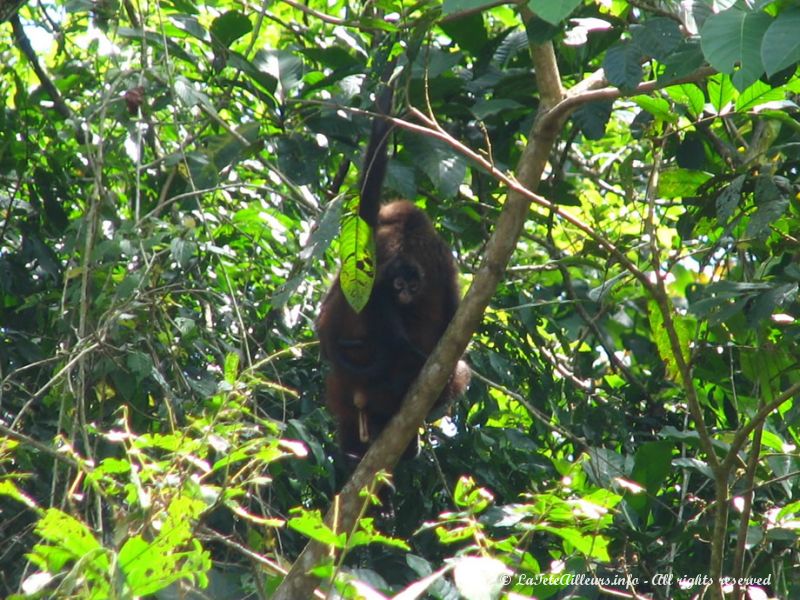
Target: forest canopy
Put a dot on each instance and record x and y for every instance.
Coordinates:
(619, 183)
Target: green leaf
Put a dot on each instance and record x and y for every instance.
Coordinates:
(7, 488)
(148, 568)
(771, 205)
(686, 58)
(683, 329)
(379, 24)
(357, 253)
(721, 300)
(334, 57)
(319, 241)
(401, 179)
(487, 108)
(187, 94)
(231, 369)
(658, 37)
(444, 168)
(605, 466)
(283, 65)
(720, 91)
(553, 11)
(690, 95)
(765, 304)
(757, 95)
(681, 183)
(454, 6)
(190, 25)
(113, 466)
(128, 286)
(469, 495)
(652, 465)
(145, 570)
(228, 149)
(765, 364)
(658, 107)
(733, 39)
(781, 45)
(311, 525)
(140, 365)
(297, 158)
(623, 65)
(368, 534)
(591, 545)
(435, 63)
(468, 32)
(694, 463)
(592, 118)
(172, 555)
(267, 82)
(182, 251)
(203, 172)
(71, 536)
(156, 40)
(229, 27)
(728, 199)
(540, 31)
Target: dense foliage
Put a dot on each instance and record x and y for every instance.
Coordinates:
(172, 177)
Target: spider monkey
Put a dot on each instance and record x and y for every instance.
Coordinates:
(375, 355)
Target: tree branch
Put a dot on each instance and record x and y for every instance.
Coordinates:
(741, 436)
(25, 46)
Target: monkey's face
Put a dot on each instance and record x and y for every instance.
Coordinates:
(406, 290)
(406, 281)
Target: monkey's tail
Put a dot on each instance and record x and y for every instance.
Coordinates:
(373, 170)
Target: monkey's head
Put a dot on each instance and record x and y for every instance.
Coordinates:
(405, 279)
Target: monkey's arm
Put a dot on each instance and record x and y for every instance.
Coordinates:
(361, 357)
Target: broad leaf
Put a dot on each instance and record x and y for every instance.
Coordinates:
(229, 27)
(357, 252)
(733, 39)
(658, 37)
(728, 199)
(623, 65)
(781, 46)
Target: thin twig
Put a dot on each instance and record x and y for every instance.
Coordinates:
(43, 448)
(61, 373)
(740, 437)
(535, 412)
(315, 13)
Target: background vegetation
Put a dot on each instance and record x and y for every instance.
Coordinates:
(171, 180)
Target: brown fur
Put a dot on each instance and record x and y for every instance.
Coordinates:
(375, 355)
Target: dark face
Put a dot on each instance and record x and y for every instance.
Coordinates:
(406, 282)
(405, 290)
